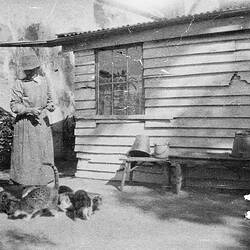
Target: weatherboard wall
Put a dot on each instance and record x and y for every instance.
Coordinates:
(197, 95)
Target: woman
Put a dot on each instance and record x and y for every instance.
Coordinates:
(32, 142)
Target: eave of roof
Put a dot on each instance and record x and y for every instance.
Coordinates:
(47, 43)
(155, 24)
(74, 37)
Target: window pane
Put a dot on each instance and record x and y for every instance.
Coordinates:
(135, 65)
(105, 66)
(135, 101)
(122, 92)
(120, 99)
(120, 65)
(105, 99)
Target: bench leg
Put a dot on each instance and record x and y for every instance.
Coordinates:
(124, 175)
(166, 175)
(176, 177)
(131, 176)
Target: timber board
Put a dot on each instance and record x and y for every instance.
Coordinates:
(85, 124)
(190, 49)
(84, 78)
(222, 79)
(101, 158)
(94, 175)
(157, 132)
(84, 52)
(199, 101)
(84, 60)
(186, 70)
(88, 84)
(108, 168)
(169, 61)
(199, 111)
(114, 143)
(84, 69)
(85, 94)
(85, 104)
(236, 88)
(84, 112)
(220, 37)
(196, 122)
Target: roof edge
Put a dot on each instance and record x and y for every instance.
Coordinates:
(159, 23)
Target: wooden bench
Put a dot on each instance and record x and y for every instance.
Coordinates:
(178, 161)
(131, 163)
(225, 160)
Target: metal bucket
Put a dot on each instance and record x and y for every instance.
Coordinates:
(141, 147)
(241, 144)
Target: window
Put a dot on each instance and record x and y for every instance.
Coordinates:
(119, 81)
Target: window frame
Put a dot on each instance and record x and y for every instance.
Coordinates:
(118, 116)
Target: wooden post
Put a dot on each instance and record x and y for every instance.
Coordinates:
(166, 174)
(176, 176)
(124, 175)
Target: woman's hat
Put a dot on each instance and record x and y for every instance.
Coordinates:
(29, 60)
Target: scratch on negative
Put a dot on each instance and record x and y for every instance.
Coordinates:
(186, 31)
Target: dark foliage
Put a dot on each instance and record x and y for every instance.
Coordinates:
(6, 137)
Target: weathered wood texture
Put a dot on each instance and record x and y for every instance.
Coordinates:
(85, 94)
(197, 95)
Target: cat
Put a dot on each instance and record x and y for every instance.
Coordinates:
(62, 189)
(64, 201)
(65, 198)
(38, 200)
(65, 189)
(81, 205)
(96, 203)
(27, 190)
(7, 200)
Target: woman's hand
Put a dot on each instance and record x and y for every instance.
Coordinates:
(34, 111)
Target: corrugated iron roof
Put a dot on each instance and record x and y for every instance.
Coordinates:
(72, 37)
(159, 23)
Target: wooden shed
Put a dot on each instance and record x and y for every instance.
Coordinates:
(185, 81)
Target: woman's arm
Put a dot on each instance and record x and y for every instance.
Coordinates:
(50, 105)
(16, 102)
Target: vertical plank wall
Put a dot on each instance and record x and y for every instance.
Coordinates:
(197, 95)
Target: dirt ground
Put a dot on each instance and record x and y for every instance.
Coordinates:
(141, 217)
